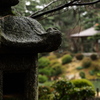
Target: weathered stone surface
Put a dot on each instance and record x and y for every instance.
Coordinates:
(18, 33)
(1, 84)
(23, 35)
(26, 64)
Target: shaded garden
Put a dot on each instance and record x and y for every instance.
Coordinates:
(56, 68)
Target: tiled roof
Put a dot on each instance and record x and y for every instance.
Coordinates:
(88, 32)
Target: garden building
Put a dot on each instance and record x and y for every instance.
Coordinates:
(87, 40)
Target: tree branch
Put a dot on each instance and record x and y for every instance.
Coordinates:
(44, 7)
(88, 3)
(72, 3)
(52, 10)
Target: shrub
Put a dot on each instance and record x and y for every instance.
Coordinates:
(52, 57)
(81, 93)
(82, 74)
(57, 70)
(93, 57)
(87, 92)
(44, 93)
(98, 74)
(54, 62)
(42, 78)
(82, 83)
(62, 86)
(66, 90)
(86, 63)
(79, 68)
(66, 59)
(96, 66)
(43, 62)
(91, 72)
(79, 56)
(46, 71)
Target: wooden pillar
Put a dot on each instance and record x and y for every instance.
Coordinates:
(97, 46)
(82, 44)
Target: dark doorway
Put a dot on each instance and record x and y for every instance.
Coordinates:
(14, 83)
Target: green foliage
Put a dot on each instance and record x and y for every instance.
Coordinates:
(82, 74)
(45, 93)
(87, 91)
(91, 72)
(52, 57)
(96, 66)
(66, 59)
(49, 68)
(53, 70)
(20, 8)
(53, 62)
(79, 56)
(97, 27)
(86, 63)
(42, 78)
(95, 37)
(82, 93)
(98, 74)
(46, 71)
(96, 70)
(93, 57)
(43, 62)
(79, 68)
(91, 17)
(31, 8)
(66, 90)
(57, 70)
(82, 83)
(61, 86)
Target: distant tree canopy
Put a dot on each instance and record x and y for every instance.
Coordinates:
(57, 5)
(47, 6)
(20, 8)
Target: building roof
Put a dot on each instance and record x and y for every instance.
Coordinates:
(88, 32)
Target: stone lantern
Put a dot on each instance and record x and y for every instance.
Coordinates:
(21, 39)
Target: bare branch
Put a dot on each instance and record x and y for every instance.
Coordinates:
(52, 10)
(44, 7)
(72, 3)
(88, 3)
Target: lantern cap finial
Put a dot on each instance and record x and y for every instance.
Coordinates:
(8, 3)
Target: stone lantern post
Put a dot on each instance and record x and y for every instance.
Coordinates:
(21, 39)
